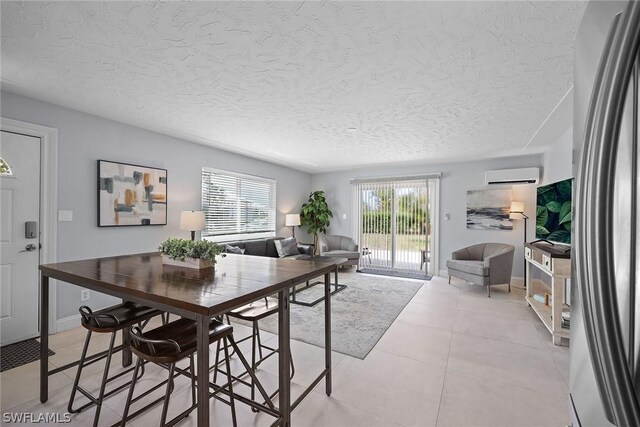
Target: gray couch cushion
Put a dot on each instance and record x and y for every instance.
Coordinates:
(256, 247)
(287, 247)
(472, 267)
(230, 249)
(271, 247)
(236, 244)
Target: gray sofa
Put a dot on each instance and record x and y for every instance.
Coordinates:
(267, 247)
(339, 246)
(484, 264)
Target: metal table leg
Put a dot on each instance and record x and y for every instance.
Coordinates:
(202, 322)
(327, 329)
(126, 352)
(44, 338)
(284, 356)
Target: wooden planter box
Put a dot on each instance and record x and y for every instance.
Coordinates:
(195, 263)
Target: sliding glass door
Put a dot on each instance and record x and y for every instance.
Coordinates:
(395, 223)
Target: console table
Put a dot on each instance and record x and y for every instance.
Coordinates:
(555, 262)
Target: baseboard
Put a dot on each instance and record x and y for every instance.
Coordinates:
(517, 282)
(67, 323)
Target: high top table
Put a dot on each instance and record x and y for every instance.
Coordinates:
(198, 295)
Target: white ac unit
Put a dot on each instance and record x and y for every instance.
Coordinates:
(512, 176)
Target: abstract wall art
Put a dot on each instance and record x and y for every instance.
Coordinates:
(489, 209)
(131, 195)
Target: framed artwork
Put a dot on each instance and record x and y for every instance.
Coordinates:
(131, 195)
(489, 209)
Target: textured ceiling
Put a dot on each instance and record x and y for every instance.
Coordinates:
(313, 85)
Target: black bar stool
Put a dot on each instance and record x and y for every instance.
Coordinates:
(254, 312)
(108, 320)
(171, 343)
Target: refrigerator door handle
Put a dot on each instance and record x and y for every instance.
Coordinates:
(594, 262)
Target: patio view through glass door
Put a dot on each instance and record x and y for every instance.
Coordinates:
(395, 223)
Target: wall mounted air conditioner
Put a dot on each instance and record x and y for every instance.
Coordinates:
(512, 176)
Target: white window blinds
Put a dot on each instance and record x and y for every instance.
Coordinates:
(237, 206)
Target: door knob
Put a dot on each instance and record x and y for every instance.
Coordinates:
(29, 248)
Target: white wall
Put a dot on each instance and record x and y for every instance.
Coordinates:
(558, 159)
(456, 179)
(83, 139)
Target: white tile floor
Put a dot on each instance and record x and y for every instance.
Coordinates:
(453, 357)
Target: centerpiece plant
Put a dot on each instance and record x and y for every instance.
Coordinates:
(314, 215)
(190, 253)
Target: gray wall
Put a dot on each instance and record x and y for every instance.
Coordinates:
(456, 179)
(558, 159)
(84, 138)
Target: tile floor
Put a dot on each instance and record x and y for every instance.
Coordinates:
(453, 357)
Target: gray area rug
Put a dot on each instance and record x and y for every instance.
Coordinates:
(360, 314)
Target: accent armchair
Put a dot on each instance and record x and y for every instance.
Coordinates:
(484, 264)
(339, 246)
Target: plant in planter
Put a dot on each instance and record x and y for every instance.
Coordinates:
(315, 216)
(189, 253)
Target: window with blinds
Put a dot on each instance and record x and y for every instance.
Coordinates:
(237, 206)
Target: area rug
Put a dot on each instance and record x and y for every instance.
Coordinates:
(20, 353)
(419, 275)
(360, 314)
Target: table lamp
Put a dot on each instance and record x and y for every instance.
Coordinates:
(192, 221)
(517, 212)
(292, 220)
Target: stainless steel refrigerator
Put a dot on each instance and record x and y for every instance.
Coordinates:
(605, 301)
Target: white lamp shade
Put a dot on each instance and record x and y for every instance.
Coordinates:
(192, 220)
(292, 220)
(516, 211)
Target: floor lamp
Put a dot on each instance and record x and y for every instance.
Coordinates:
(517, 212)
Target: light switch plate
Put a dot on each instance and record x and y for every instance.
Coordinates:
(65, 216)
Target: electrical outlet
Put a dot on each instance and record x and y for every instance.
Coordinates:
(84, 295)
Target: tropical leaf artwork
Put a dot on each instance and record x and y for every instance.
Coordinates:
(553, 212)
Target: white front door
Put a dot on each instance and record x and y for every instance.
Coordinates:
(19, 255)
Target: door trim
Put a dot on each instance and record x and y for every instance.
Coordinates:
(48, 198)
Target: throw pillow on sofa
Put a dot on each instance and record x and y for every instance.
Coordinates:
(233, 249)
(287, 247)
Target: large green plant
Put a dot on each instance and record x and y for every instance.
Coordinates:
(179, 249)
(315, 215)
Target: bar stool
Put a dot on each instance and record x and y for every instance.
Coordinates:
(253, 312)
(171, 343)
(108, 320)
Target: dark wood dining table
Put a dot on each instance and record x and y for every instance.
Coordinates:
(198, 295)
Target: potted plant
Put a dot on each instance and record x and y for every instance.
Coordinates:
(315, 216)
(189, 253)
